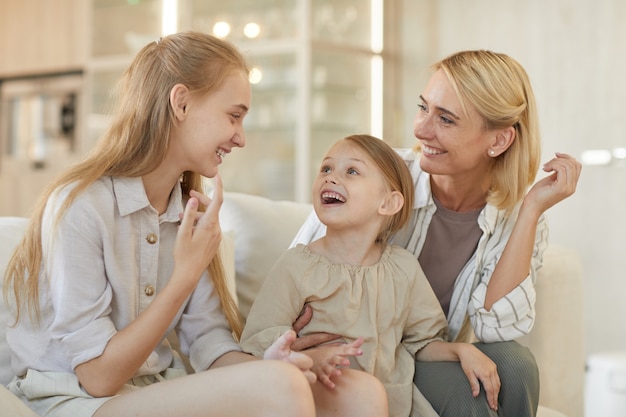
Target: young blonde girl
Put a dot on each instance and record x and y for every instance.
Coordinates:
(374, 295)
(123, 248)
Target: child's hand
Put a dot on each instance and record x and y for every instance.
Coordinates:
(281, 350)
(328, 359)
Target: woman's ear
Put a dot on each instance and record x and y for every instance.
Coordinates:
(179, 99)
(503, 140)
(391, 204)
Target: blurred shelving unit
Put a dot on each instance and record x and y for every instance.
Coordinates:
(317, 76)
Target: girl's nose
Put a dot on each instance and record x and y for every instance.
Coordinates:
(330, 180)
(239, 139)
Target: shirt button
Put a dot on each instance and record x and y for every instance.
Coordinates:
(151, 238)
(149, 290)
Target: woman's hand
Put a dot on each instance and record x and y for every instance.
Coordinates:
(328, 359)
(548, 191)
(199, 234)
(281, 350)
(478, 367)
(309, 340)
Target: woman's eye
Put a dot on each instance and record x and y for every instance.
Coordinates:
(446, 120)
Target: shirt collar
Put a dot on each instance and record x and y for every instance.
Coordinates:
(131, 197)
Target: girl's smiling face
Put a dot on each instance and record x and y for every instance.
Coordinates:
(208, 127)
(349, 188)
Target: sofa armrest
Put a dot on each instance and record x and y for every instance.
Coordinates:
(557, 340)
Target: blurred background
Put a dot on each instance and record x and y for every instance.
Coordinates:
(327, 68)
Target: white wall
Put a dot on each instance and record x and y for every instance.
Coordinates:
(575, 54)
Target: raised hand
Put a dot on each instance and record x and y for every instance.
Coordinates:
(199, 234)
(548, 191)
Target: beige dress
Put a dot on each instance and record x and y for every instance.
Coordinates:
(390, 304)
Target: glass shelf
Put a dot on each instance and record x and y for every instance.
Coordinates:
(122, 27)
(314, 88)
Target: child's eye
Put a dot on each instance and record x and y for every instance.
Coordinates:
(352, 171)
(422, 107)
(325, 169)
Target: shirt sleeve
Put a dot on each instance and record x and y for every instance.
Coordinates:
(513, 315)
(80, 293)
(426, 321)
(274, 310)
(203, 330)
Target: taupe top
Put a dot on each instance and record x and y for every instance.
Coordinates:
(390, 304)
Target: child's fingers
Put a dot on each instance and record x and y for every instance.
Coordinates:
(281, 348)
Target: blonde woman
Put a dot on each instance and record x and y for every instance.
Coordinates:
(478, 228)
(123, 248)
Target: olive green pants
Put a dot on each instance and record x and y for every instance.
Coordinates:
(447, 389)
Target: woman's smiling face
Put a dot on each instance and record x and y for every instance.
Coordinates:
(453, 142)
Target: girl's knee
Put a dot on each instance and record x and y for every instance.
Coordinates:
(365, 393)
(284, 388)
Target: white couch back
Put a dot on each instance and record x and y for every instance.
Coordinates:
(262, 229)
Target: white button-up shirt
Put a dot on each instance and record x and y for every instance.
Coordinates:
(105, 261)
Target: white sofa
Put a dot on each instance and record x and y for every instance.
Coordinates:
(261, 229)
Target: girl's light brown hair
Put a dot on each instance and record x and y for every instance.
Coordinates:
(134, 145)
(395, 172)
(498, 88)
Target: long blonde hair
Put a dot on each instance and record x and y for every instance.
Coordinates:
(498, 88)
(134, 145)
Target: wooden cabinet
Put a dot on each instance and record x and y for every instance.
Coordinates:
(42, 36)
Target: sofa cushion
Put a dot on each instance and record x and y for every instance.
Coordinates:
(258, 223)
(13, 406)
(11, 232)
(556, 339)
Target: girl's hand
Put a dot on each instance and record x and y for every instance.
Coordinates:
(548, 191)
(199, 234)
(328, 359)
(281, 350)
(480, 369)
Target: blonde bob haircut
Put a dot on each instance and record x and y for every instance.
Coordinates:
(396, 174)
(498, 88)
(135, 144)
